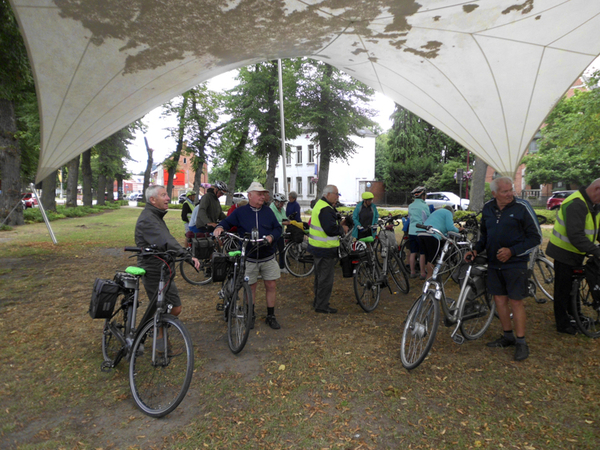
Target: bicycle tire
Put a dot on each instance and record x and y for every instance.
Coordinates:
(196, 277)
(543, 275)
(419, 331)
(377, 247)
(405, 254)
(159, 387)
(476, 314)
(366, 289)
(239, 318)
(298, 261)
(113, 349)
(541, 219)
(585, 311)
(397, 273)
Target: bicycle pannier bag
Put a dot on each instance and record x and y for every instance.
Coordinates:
(592, 276)
(346, 263)
(104, 297)
(220, 265)
(296, 234)
(202, 248)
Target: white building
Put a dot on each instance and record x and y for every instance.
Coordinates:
(350, 176)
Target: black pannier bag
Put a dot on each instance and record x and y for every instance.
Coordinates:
(220, 266)
(104, 297)
(296, 234)
(592, 276)
(203, 248)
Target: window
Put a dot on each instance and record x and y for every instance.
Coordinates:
(299, 185)
(288, 158)
(299, 154)
(184, 160)
(289, 184)
(276, 185)
(311, 153)
(311, 185)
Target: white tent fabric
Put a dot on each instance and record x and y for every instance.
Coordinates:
(486, 72)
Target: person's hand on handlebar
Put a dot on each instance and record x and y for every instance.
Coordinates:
(217, 232)
(196, 263)
(469, 256)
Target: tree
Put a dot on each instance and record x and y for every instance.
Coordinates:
(148, 171)
(333, 107)
(15, 81)
(569, 149)
(72, 181)
(112, 152)
(86, 173)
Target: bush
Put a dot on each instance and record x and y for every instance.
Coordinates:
(34, 215)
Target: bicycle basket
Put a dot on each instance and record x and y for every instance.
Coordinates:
(592, 276)
(388, 238)
(104, 297)
(202, 248)
(220, 266)
(296, 234)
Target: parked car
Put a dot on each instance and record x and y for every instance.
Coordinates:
(441, 199)
(182, 198)
(239, 196)
(557, 198)
(28, 200)
(343, 202)
(136, 197)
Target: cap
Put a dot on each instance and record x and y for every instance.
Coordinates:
(256, 187)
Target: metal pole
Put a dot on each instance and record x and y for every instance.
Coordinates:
(43, 211)
(282, 116)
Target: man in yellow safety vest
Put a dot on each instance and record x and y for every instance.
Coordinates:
(574, 235)
(323, 242)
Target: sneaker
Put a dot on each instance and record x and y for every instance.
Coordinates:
(283, 270)
(414, 275)
(252, 322)
(327, 310)
(272, 322)
(502, 342)
(521, 352)
(568, 330)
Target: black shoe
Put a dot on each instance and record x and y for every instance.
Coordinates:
(521, 352)
(502, 342)
(272, 322)
(252, 322)
(326, 310)
(568, 330)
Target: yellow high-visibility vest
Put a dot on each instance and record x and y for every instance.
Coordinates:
(316, 236)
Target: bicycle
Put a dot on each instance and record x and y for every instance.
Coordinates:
(470, 225)
(160, 350)
(585, 306)
(541, 275)
(370, 275)
(298, 261)
(472, 312)
(203, 249)
(238, 312)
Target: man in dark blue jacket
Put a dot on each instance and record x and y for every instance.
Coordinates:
(260, 259)
(509, 233)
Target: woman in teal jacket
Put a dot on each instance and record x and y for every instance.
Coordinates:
(365, 214)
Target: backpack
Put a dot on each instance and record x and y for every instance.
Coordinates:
(194, 215)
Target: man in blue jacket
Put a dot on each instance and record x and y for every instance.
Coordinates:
(509, 233)
(260, 259)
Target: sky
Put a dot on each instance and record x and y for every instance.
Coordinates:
(163, 144)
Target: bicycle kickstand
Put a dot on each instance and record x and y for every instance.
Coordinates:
(456, 337)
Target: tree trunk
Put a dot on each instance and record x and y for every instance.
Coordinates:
(49, 192)
(119, 178)
(110, 189)
(10, 164)
(148, 171)
(234, 162)
(198, 175)
(86, 169)
(101, 190)
(323, 173)
(477, 190)
(72, 181)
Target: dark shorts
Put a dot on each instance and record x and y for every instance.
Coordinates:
(151, 285)
(431, 246)
(414, 244)
(510, 282)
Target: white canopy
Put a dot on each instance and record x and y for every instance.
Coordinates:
(486, 72)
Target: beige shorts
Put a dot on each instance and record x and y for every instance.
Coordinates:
(269, 270)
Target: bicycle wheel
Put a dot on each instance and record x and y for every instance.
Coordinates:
(298, 261)
(398, 274)
(543, 275)
(239, 318)
(404, 254)
(477, 313)
(419, 331)
(112, 348)
(366, 288)
(159, 380)
(377, 251)
(196, 277)
(585, 310)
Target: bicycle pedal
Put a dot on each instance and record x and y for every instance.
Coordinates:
(106, 366)
(220, 307)
(459, 339)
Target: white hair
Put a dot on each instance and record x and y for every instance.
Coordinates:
(329, 189)
(152, 191)
(500, 180)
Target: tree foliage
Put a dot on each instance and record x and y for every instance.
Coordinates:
(569, 150)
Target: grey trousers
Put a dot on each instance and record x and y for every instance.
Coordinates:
(324, 271)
